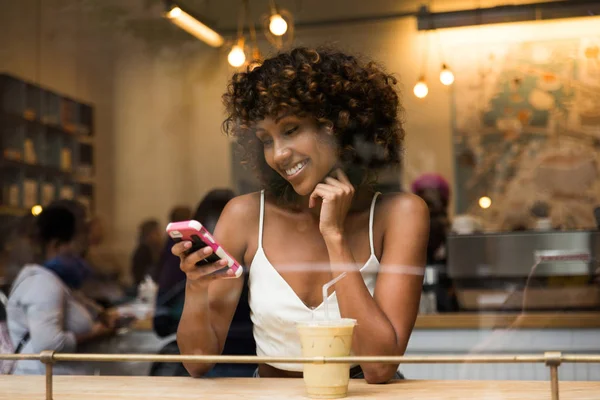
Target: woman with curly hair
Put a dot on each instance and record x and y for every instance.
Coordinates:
(313, 124)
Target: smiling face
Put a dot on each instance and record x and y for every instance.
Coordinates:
(298, 150)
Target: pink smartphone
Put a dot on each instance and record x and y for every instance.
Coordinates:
(200, 237)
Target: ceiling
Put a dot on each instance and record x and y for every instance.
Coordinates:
(145, 18)
(223, 14)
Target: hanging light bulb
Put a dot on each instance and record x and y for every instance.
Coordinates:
(36, 210)
(420, 90)
(446, 76)
(236, 56)
(277, 25)
(485, 202)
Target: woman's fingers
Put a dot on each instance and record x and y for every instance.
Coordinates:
(199, 255)
(207, 271)
(322, 191)
(189, 261)
(180, 248)
(341, 175)
(334, 182)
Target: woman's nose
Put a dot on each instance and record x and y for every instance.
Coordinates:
(282, 154)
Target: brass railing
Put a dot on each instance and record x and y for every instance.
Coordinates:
(551, 359)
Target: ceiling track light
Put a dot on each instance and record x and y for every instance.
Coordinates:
(192, 25)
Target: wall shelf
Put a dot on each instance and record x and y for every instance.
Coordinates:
(46, 147)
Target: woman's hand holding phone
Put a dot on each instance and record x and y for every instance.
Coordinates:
(203, 273)
(202, 258)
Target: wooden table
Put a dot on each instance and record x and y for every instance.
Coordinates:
(143, 388)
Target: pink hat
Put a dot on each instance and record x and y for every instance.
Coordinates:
(432, 181)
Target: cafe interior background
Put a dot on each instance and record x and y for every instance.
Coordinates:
(114, 104)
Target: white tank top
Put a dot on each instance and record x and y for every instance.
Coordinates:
(275, 308)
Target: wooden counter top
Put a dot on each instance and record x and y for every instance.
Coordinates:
(533, 320)
(143, 388)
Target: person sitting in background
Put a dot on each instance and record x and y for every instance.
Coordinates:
(42, 311)
(171, 296)
(434, 189)
(80, 246)
(80, 243)
(109, 280)
(146, 255)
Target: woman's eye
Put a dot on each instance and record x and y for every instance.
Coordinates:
(291, 130)
(267, 142)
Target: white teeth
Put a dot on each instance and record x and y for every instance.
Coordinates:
(295, 168)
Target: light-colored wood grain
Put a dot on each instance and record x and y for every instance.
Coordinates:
(138, 388)
(143, 388)
(538, 320)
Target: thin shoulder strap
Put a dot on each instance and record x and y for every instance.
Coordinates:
(262, 218)
(371, 218)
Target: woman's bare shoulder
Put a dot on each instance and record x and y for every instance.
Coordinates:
(238, 224)
(242, 209)
(403, 205)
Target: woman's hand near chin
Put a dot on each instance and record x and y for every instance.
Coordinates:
(336, 195)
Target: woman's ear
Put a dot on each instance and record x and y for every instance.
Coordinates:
(328, 127)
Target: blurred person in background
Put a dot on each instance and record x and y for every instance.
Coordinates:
(80, 243)
(171, 286)
(434, 189)
(147, 253)
(80, 246)
(43, 312)
(109, 279)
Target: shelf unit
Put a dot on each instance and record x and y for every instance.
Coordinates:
(46, 147)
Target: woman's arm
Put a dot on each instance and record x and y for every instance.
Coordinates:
(210, 304)
(99, 330)
(386, 320)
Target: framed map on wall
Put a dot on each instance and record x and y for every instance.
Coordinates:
(526, 131)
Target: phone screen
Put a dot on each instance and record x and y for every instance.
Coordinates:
(197, 244)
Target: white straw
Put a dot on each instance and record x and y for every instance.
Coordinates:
(326, 297)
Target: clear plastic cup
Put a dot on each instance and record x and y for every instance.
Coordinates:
(329, 338)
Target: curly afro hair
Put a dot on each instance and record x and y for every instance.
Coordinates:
(358, 100)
